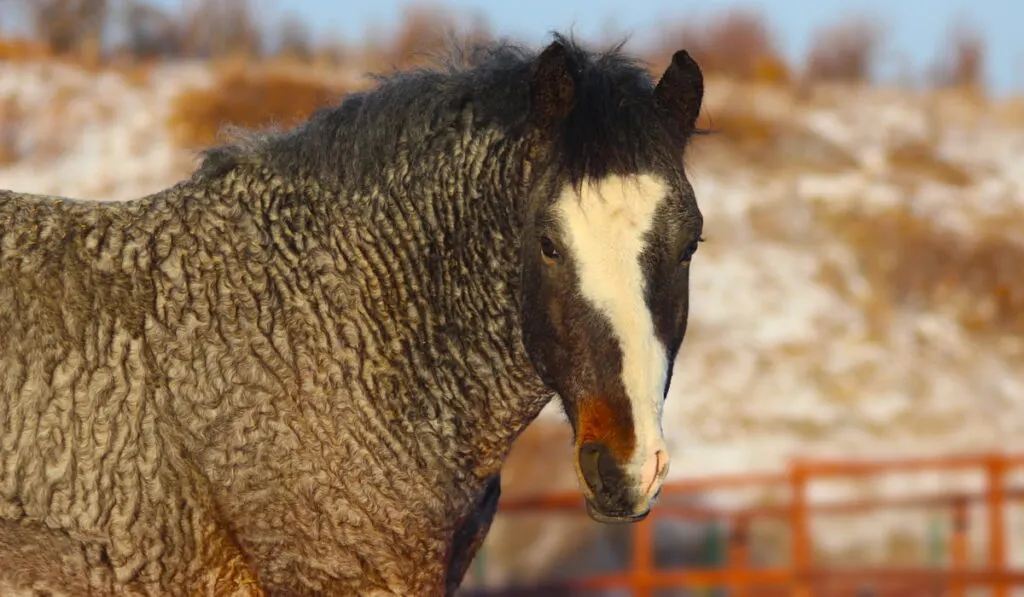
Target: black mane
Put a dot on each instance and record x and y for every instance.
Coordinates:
(613, 128)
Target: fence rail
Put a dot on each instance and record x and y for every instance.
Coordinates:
(802, 577)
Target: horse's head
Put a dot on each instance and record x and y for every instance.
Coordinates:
(609, 237)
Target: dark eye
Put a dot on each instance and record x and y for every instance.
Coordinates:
(547, 248)
(690, 250)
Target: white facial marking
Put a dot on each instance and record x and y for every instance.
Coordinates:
(604, 229)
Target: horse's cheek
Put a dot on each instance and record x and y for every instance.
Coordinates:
(555, 310)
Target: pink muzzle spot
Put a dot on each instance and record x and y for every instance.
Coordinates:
(653, 472)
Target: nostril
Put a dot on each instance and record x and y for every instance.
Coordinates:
(593, 457)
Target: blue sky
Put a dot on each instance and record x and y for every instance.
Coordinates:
(916, 27)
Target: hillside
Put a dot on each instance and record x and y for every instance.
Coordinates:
(859, 292)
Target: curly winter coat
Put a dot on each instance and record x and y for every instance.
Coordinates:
(299, 371)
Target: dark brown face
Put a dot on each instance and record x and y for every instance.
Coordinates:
(606, 268)
(605, 300)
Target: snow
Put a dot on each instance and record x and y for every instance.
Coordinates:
(111, 137)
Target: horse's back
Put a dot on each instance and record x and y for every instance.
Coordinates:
(64, 262)
(33, 249)
(72, 371)
(53, 291)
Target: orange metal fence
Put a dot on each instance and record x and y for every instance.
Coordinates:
(802, 577)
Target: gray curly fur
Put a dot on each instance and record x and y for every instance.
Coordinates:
(297, 372)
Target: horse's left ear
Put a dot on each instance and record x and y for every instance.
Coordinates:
(680, 91)
(552, 88)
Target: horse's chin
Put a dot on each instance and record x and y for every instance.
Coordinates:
(605, 516)
(616, 517)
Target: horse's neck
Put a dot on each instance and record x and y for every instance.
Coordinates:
(470, 278)
(443, 254)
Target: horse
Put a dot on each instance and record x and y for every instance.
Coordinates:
(298, 370)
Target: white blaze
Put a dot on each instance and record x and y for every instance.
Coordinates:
(604, 227)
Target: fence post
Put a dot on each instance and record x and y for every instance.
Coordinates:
(937, 544)
(643, 557)
(739, 536)
(996, 498)
(801, 556)
(958, 545)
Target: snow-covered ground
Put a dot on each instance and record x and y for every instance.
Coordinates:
(93, 136)
(778, 361)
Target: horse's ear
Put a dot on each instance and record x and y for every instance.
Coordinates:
(680, 91)
(552, 89)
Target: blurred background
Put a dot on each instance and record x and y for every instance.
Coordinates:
(860, 293)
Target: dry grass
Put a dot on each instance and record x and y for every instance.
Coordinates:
(51, 143)
(910, 261)
(281, 89)
(961, 63)
(11, 117)
(68, 26)
(136, 73)
(738, 44)
(1010, 112)
(761, 127)
(17, 49)
(248, 98)
(220, 28)
(742, 127)
(743, 117)
(919, 160)
(844, 52)
(426, 31)
(51, 140)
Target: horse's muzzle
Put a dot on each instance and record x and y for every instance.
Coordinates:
(613, 492)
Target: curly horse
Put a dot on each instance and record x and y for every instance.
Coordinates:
(299, 370)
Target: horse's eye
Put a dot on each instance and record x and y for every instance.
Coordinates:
(690, 250)
(547, 248)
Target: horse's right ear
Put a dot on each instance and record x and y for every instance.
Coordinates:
(680, 91)
(552, 89)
